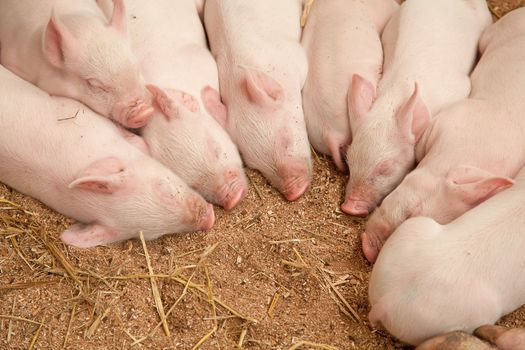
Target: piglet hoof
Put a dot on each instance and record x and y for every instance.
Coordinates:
(503, 338)
(355, 207)
(455, 341)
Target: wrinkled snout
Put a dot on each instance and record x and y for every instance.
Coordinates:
(207, 219)
(356, 207)
(360, 201)
(201, 214)
(134, 113)
(295, 180)
(233, 190)
(372, 240)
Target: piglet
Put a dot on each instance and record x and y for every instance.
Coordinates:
(471, 148)
(431, 279)
(262, 68)
(78, 163)
(341, 38)
(182, 135)
(69, 49)
(430, 50)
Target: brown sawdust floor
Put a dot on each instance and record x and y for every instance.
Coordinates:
(294, 268)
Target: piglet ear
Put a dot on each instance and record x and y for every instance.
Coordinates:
(213, 104)
(262, 89)
(103, 176)
(118, 18)
(185, 99)
(86, 236)
(474, 185)
(361, 95)
(163, 102)
(58, 42)
(414, 117)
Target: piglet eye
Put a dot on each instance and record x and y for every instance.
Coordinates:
(386, 167)
(96, 84)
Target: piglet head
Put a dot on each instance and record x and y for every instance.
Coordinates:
(98, 66)
(443, 198)
(269, 129)
(425, 194)
(196, 147)
(404, 202)
(128, 198)
(383, 146)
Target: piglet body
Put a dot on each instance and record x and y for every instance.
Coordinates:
(262, 68)
(182, 135)
(431, 279)
(341, 38)
(68, 48)
(430, 50)
(472, 147)
(78, 163)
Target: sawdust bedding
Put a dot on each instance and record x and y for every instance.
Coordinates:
(270, 275)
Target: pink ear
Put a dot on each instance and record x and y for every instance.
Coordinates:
(118, 18)
(263, 89)
(360, 98)
(86, 236)
(212, 102)
(414, 117)
(58, 42)
(162, 100)
(185, 99)
(102, 176)
(475, 185)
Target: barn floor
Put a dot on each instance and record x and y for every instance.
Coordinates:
(270, 275)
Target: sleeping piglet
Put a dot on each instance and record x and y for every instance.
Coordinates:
(67, 48)
(430, 48)
(341, 38)
(75, 161)
(262, 68)
(431, 279)
(471, 148)
(181, 134)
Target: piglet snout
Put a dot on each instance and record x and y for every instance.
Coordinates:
(202, 216)
(138, 115)
(295, 181)
(371, 245)
(356, 207)
(376, 233)
(134, 112)
(295, 187)
(233, 197)
(207, 218)
(233, 190)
